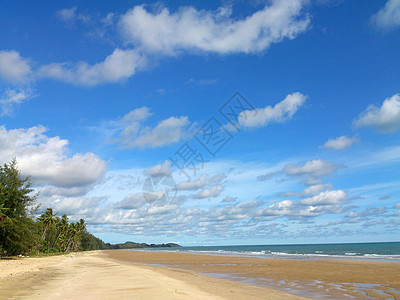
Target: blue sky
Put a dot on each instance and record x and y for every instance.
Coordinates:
(114, 110)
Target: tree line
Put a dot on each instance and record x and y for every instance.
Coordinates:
(21, 232)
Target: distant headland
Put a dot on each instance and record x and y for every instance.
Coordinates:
(133, 245)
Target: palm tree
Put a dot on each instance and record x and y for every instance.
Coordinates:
(62, 227)
(81, 228)
(72, 231)
(48, 219)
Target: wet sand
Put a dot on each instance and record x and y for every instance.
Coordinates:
(335, 279)
(112, 275)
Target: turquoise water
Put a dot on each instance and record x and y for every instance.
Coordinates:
(370, 251)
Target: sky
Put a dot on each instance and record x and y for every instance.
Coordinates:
(207, 122)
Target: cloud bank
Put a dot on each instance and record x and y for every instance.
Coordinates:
(191, 30)
(44, 158)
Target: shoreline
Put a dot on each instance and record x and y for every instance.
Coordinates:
(307, 278)
(283, 256)
(121, 274)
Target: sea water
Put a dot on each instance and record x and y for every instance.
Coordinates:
(388, 251)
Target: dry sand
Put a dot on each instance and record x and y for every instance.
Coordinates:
(102, 275)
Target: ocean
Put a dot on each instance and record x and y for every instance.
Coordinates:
(388, 251)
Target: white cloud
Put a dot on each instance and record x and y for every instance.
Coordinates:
(315, 168)
(281, 208)
(137, 115)
(201, 182)
(137, 200)
(119, 65)
(325, 198)
(328, 202)
(213, 191)
(70, 16)
(12, 98)
(44, 158)
(385, 118)
(188, 29)
(389, 16)
(14, 68)
(315, 189)
(193, 184)
(77, 206)
(159, 170)
(340, 143)
(281, 112)
(67, 14)
(52, 191)
(229, 199)
(166, 132)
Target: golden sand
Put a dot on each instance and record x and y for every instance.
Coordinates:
(96, 275)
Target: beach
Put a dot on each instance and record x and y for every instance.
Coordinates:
(119, 274)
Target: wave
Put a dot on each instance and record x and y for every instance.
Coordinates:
(276, 254)
(361, 251)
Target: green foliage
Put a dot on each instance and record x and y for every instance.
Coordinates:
(20, 234)
(90, 242)
(17, 235)
(17, 231)
(15, 192)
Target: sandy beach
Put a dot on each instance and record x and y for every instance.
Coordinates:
(95, 275)
(117, 274)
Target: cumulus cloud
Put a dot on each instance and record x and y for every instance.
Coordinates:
(388, 17)
(136, 115)
(166, 132)
(77, 206)
(327, 202)
(14, 68)
(44, 158)
(119, 65)
(52, 191)
(192, 30)
(385, 118)
(277, 209)
(325, 198)
(340, 143)
(211, 192)
(315, 169)
(137, 200)
(315, 189)
(201, 182)
(280, 113)
(135, 135)
(229, 199)
(230, 213)
(159, 170)
(12, 98)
